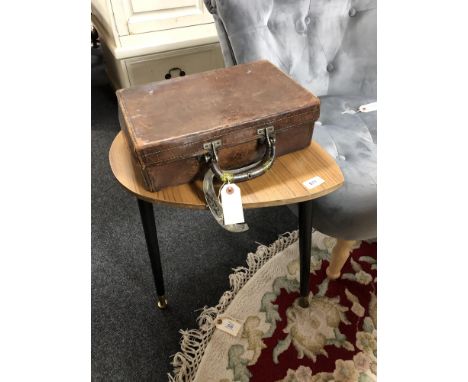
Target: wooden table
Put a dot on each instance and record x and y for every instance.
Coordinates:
(282, 184)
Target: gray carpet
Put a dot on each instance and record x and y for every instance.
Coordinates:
(131, 339)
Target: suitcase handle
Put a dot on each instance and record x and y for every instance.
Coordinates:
(212, 201)
(245, 173)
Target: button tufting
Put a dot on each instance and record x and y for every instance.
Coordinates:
(352, 12)
(330, 67)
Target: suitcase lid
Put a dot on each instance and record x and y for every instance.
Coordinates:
(171, 120)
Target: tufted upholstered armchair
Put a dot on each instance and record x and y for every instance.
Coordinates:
(328, 46)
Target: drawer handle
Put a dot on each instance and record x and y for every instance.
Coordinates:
(168, 75)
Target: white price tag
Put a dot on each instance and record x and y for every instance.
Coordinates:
(313, 182)
(231, 202)
(228, 325)
(362, 109)
(369, 107)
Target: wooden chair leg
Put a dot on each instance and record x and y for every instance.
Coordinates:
(340, 254)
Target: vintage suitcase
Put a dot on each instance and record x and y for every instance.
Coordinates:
(226, 118)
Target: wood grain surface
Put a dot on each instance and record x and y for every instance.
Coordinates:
(281, 185)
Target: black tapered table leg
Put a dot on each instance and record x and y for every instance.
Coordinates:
(151, 236)
(305, 246)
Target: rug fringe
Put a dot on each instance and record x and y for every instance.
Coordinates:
(194, 341)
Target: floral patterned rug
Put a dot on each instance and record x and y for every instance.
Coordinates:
(334, 339)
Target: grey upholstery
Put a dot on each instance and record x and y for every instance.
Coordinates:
(328, 46)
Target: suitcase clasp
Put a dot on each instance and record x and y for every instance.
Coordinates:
(211, 148)
(265, 130)
(215, 144)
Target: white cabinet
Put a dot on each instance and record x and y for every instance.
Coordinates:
(143, 40)
(142, 16)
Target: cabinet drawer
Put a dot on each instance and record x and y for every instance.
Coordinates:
(155, 67)
(158, 5)
(142, 16)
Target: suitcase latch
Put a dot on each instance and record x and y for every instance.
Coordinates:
(215, 144)
(269, 130)
(211, 147)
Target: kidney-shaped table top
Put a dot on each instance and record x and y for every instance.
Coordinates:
(282, 184)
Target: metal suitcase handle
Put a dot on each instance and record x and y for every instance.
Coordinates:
(245, 173)
(237, 175)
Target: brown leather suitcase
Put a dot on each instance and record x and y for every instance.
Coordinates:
(226, 118)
